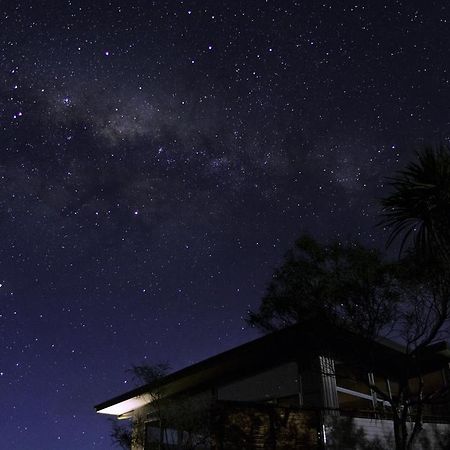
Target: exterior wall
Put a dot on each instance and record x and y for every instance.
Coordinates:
(347, 433)
(284, 408)
(139, 419)
(259, 427)
(249, 427)
(186, 418)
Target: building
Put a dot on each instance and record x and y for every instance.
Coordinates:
(306, 386)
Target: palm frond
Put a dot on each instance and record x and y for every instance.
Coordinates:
(418, 209)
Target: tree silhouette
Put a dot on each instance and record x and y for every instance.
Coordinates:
(348, 283)
(419, 205)
(357, 289)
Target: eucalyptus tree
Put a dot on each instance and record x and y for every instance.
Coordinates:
(357, 289)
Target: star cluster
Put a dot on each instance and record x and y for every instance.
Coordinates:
(157, 158)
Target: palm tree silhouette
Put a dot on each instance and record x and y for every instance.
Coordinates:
(418, 209)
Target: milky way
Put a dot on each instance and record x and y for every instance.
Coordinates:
(157, 160)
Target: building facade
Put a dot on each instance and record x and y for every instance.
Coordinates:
(294, 389)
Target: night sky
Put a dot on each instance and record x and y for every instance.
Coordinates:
(157, 159)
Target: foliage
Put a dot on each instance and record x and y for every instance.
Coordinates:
(150, 374)
(419, 205)
(345, 434)
(348, 283)
(191, 414)
(354, 287)
(121, 435)
(424, 315)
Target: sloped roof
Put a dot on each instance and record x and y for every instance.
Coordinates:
(298, 342)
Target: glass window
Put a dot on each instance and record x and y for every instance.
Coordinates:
(278, 383)
(349, 378)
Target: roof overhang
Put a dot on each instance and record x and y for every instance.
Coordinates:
(125, 406)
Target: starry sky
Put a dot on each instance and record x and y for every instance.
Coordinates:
(157, 159)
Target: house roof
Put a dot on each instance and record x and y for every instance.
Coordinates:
(298, 342)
